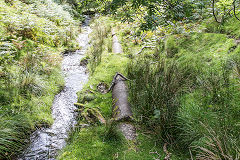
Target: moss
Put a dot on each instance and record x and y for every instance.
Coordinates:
(84, 97)
(229, 27)
(203, 50)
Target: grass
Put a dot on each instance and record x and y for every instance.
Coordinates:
(24, 106)
(188, 93)
(32, 39)
(94, 143)
(103, 141)
(184, 93)
(230, 27)
(13, 128)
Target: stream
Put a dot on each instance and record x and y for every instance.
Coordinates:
(46, 142)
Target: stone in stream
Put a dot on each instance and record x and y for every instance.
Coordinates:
(84, 62)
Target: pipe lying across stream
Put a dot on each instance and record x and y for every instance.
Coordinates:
(46, 142)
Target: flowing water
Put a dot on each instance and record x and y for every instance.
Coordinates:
(46, 142)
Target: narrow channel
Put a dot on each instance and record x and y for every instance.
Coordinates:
(46, 142)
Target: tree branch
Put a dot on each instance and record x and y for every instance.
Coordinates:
(213, 3)
(234, 9)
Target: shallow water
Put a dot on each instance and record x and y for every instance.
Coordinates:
(46, 142)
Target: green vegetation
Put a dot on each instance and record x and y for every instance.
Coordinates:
(95, 143)
(33, 34)
(103, 141)
(184, 84)
(191, 97)
(182, 59)
(185, 92)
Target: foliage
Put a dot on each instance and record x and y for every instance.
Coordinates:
(33, 33)
(154, 13)
(185, 90)
(96, 50)
(190, 97)
(104, 141)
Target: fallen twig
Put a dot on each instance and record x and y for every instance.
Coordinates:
(79, 105)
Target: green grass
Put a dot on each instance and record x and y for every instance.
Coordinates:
(21, 113)
(32, 39)
(189, 94)
(184, 93)
(230, 27)
(94, 143)
(103, 141)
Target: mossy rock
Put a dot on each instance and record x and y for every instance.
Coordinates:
(85, 96)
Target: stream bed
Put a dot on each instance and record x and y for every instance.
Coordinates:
(46, 142)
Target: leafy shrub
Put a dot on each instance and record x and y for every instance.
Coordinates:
(27, 22)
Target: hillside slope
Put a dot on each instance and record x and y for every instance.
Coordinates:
(33, 35)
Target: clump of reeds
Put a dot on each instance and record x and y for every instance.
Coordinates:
(188, 101)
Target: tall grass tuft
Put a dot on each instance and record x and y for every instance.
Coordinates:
(191, 98)
(221, 145)
(100, 33)
(13, 132)
(154, 91)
